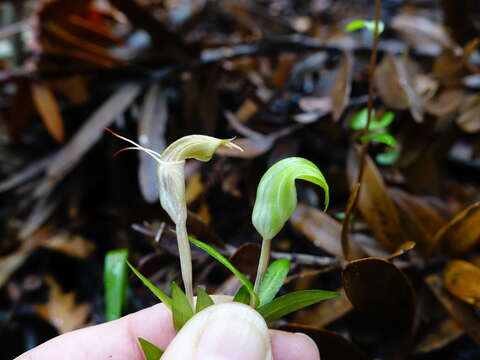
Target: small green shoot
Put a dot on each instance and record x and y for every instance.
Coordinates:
(203, 300)
(293, 301)
(150, 351)
(388, 158)
(221, 259)
(273, 280)
(156, 291)
(365, 24)
(360, 118)
(384, 138)
(181, 309)
(378, 132)
(115, 278)
(242, 296)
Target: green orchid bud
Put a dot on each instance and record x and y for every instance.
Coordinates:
(171, 178)
(277, 199)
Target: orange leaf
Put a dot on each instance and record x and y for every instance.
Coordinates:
(49, 110)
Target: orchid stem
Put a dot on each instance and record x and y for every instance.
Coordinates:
(185, 260)
(262, 263)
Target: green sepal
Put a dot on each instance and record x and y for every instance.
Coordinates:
(242, 296)
(150, 351)
(203, 300)
(181, 309)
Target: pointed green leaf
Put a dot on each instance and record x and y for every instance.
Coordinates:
(221, 259)
(384, 138)
(360, 24)
(273, 280)
(359, 120)
(388, 158)
(115, 278)
(384, 121)
(156, 291)
(181, 309)
(150, 351)
(242, 296)
(203, 300)
(294, 301)
(276, 194)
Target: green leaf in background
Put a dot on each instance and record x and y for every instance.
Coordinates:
(360, 24)
(156, 291)
(294, 301)
(115, 279)
(359, 120)
(384, 138)
(221, 259)
(273, 280)
(181, 309)
(276, 194)
(384, 121)
(203, 300)
(388, 158)
(242, 296)
(150, 351)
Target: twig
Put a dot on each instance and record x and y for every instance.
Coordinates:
(353, 199)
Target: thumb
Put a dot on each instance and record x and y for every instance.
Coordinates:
(232, 331)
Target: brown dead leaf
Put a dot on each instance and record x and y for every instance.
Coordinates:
(422, 33)
(343, 85)
(462, 313)
(419, 219)
(375, 205)
(326, 312)
(462, 279)
(246, 110)
(402, 249)
(333, 346)
(72, 245)
(469, 119)
(74, 88)
(379, 288)
(448, 102)
(49, 110)
(461, 233)
(440, 335)
(245, 258)
(61, 309)
(319, 227)
(396, 86)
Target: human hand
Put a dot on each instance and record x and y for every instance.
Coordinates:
(225, 331)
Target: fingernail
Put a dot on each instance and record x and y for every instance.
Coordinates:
(235, 332)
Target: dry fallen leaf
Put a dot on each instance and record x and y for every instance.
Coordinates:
(462, 279)
(49, 110)
(461, 233)
(375, 205)
(343, 85)
(379, 288)
(440, 335)
(462, 313)
(61, 309)
(469, 119)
